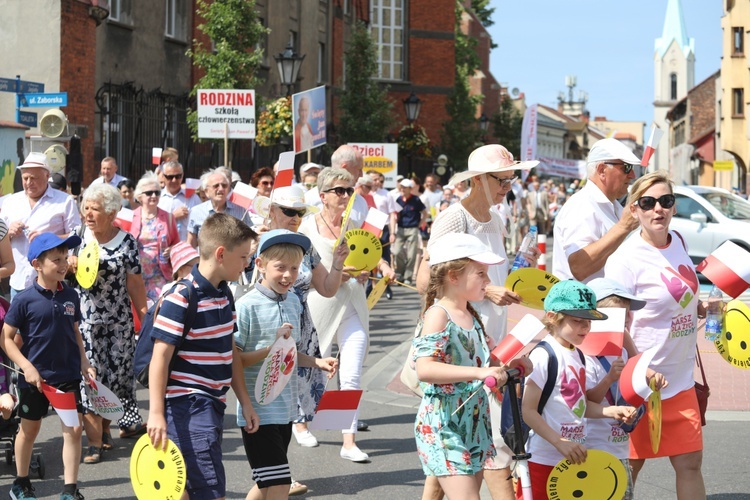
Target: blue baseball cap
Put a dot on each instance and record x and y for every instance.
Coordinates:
(48, 241)
(605, 287)
(573, 298)
(277, 236)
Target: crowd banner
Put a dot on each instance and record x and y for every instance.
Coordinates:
(382, 158)
(226, 114)
(528, 137)
(558, 167)
(309, 118)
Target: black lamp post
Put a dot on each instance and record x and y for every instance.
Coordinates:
(484, 123)
(412, 107)
(288, 64)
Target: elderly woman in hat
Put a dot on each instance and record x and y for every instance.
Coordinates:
(492, 172)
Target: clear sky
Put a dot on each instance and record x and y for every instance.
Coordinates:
(607, 44)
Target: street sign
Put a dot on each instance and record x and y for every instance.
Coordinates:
(9, 85)
(27, 118)
(44, 100)
(724, 165)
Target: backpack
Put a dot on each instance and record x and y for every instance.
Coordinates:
(144, 348)
(507, 429)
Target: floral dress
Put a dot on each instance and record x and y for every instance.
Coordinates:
(107, 322)
(312, 382)
(448, 444)
(150, 251)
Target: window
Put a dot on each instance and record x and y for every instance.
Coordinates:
(120, 11)
(322, 63)
(738, 41)
(176, 22)
(387, 29)
(673, 87)
(738, 102)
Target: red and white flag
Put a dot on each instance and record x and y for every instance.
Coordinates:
(633, 385)
(156, 156)
(653, 141)
(605, 337)
(336, 410)
(64, 404)
(243, 195)
(518, 338)
(124, 219)
(191, 186)
(286, 170)
(375, 221)
(728, 267)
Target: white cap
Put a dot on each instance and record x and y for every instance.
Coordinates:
(611, 149)
(407, 183)
(288, 197)
(36, 160)
(454, 246)
(307, 166)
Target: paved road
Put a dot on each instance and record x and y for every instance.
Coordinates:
(394, 471)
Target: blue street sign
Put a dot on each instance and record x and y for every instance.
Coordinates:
(27, 118)
(9, 85)
(44, 100)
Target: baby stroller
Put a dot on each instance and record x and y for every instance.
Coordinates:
(9, 428)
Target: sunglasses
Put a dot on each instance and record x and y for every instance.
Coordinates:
(266, 183)
(172, 177)
(504, 182)
(291, 212)
(649, 202)
(340, 191)
(310, 185)
(626, 167)
(152, 193)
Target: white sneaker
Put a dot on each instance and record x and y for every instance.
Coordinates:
(354, 454)
(304, 438)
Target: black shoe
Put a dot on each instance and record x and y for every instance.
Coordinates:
(362, 426)
(388, 293)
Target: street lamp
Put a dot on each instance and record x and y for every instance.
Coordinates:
(412, 107)
(484, 123)
(288, 64)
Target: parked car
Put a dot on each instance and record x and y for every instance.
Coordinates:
(706, 217)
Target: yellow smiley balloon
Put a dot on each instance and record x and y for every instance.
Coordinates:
(365, 250)
(532, 285)
(653, 412)
(601, 477)
(157, 474)
(734, 342)
(88, 264)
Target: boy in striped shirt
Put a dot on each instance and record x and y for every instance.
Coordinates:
(187, 404)
(265, 314)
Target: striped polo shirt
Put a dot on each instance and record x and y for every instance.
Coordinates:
(204, 361)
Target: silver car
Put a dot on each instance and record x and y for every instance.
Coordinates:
(706, 217)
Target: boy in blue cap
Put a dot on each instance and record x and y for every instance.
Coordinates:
(46, 315)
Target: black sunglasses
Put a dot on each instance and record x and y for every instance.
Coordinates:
(290, 212)
(172, 177)
(152, 193)
(340, 191)
(649, 202)
(626, 167)
(504, 182)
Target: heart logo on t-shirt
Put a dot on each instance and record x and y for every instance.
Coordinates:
(688, 276)
(675, 286)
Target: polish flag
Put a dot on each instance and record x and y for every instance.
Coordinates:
(191, 186)
(243, 195)
(728, 267)
(605, 337)
(518, 338)
(653, 141)
(286, 170)
(156, 156)
(64, 404)
(375, 222)
(124, 219)
(336, 410)
(633, 385)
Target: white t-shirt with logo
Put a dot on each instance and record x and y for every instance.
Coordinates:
(605, 433)
(567, 404)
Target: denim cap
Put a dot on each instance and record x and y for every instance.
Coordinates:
(278, 236)
(605, 287)
(573, 298)
(48, 241)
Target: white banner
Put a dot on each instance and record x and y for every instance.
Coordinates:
(236, 108)
(558, 167)
(380, 157)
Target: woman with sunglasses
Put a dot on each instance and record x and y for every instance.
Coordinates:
(155, 231)
(343, 318)
(262, 180)
(654, 265)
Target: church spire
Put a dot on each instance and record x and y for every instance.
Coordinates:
(674, 29)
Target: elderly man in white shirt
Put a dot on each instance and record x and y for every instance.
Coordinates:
(592, 224)
(108, 173)
(173, 198)
(39, 208)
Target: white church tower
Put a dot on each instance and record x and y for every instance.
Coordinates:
(674, 75)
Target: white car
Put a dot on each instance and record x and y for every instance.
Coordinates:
(706, 217)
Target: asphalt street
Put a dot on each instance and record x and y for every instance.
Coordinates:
(394, 470)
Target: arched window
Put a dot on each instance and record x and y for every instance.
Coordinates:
(673, 87)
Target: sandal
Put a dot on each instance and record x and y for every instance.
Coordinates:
(297, 488)
(93, 456)
(107, 443)
(132, 431)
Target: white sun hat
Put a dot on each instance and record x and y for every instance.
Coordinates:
(288, 197)
(491, 159)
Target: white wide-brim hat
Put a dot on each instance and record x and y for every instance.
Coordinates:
(490, 159)
(287, 196)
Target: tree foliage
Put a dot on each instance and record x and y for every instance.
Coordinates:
(507, 124)
(234, 59)
(364, 103)
(483, 12)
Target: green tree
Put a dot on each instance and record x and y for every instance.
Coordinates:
(506, 126)
(234, 59)
(460, 133)
(364, 104)
(483, 11)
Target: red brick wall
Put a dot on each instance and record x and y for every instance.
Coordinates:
(702, 108)
(77, 76)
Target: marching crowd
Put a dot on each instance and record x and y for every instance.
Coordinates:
(229, 282)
